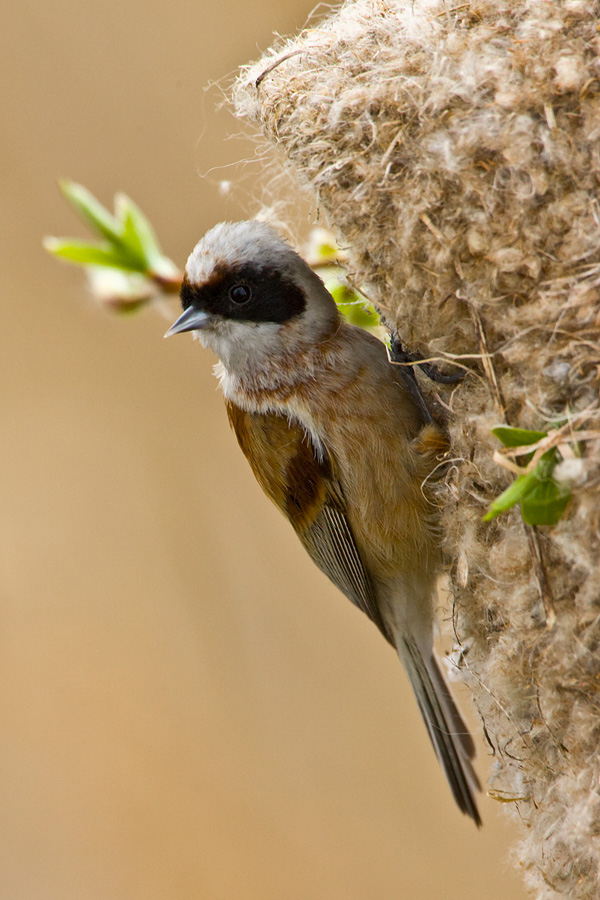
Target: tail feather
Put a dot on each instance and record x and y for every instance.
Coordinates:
(448, 733)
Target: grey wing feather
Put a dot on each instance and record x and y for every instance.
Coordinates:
(330, 543)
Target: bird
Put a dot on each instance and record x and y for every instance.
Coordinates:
(338, 439)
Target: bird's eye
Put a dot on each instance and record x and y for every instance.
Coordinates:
(240, 293)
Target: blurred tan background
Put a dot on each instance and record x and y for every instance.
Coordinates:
(188, 708)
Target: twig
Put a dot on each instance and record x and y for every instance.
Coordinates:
(274, 65)
(486, 360)
(541, 576)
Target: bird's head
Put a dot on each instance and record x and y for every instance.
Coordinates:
(250, 297)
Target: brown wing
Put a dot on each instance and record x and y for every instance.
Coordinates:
(302, 482)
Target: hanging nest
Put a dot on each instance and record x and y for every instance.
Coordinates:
(456, 154)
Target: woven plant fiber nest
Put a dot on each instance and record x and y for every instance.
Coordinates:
(456, 154)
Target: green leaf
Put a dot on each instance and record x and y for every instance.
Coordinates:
(91, 210)
(342, 294)
(545, 504)
(353, 307)
(512, 495)
(138, 235)
(360, 316)
(546, 465)
(92, 254)
(327, 251)
(517, 437)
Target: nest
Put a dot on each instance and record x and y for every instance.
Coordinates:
(456, 154)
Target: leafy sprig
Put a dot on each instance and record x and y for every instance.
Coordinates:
(127, 266)
(543, 499)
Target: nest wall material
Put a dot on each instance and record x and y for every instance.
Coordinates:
(456, 153)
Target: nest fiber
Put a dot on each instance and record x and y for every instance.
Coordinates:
(456, 153)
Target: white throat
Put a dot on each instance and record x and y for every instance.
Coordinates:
(244, 348)
(264, 358)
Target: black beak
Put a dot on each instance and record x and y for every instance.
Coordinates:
(191, 319)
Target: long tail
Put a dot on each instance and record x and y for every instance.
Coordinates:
(452, 742)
